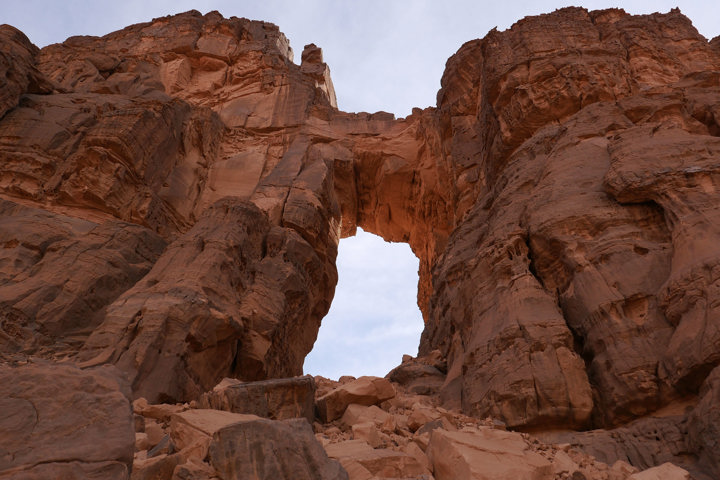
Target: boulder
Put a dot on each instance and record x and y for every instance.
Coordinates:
(359, 457)
(417, 376)
(421, 415)
(159, 411)
(265, 449)
(348, 448)
(194, 470)
(441, 422)
(192, 430)
(485, 454)
(77, 470)
(363, 391)
(355, 414)
(62, 422)
(142, 442)
(369, 432)
(414, 450)
(154, 432)
(160, 467)
(277, 399)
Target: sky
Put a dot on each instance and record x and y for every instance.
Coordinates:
(374, 318)
(384, 55)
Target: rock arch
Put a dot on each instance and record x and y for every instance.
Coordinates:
(564, 266)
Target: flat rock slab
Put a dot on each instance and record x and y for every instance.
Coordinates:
(265, 449)
(358, 457)
(192, 430)
(485, 454)
(277, 399)
(666, 471)
(57, 421)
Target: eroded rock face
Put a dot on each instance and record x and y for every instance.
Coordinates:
(49, 301)
(194, 327)
(172, 196)
(558, 297)
(17, 68)
(116, 141)
(362, 391)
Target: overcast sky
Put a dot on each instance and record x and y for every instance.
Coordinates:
(383, 55)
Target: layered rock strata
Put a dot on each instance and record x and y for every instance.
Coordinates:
(172, 196)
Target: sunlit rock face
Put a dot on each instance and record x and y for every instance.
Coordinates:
(173, 194)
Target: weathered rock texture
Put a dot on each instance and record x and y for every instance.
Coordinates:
(362, 391)
(278, 399)
(192, 130)
(266, 450)
(559, 296)
(58, 421)
(172, 196)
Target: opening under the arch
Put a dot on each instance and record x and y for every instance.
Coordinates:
(374, 318)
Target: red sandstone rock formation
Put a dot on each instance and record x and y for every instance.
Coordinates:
(172, 196)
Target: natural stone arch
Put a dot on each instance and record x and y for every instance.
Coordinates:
(550, 245)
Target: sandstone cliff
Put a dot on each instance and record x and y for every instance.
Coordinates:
(172, 196)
